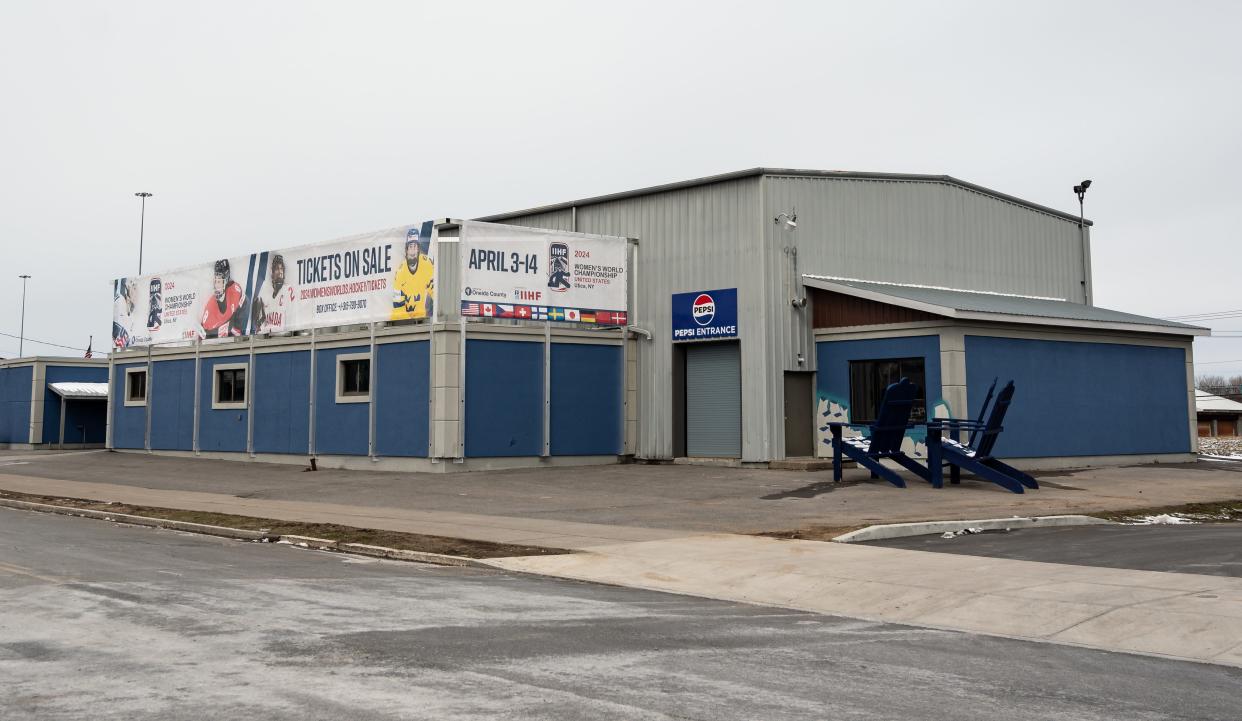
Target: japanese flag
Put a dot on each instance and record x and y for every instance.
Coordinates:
(572, 315)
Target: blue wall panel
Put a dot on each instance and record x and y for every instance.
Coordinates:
(586, 400)
(218, 430)
(402, 398)
(504, 398)
(15, 404)
(51, 407)
(129, 424)
(833, 360)
(171, 399)
(281, 402)
(1083, 399)
(340, 428)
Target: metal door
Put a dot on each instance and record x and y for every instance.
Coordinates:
(714, 400)
(799, 415)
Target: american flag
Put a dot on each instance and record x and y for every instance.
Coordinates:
(471, 309)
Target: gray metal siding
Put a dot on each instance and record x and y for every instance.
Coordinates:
(713, 401)
(721, 235)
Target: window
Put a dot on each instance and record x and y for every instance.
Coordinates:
(135, 386)
(869, 378)
(229, 386)
(353, 378)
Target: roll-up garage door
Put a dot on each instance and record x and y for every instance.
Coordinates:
(714, 400)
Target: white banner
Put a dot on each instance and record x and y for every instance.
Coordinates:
(381, 276)
(534, 274)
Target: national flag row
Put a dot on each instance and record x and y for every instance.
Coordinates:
(540, 312)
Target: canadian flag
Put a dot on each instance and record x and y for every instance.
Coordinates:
(489, 310)
(572, 315)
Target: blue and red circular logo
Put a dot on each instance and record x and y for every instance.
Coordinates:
(703, 310)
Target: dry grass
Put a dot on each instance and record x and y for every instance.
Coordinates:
(331, 531)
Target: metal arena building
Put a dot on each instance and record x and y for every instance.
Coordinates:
(761, 302)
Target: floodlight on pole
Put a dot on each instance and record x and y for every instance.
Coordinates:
(21, 334)
(142, 222)
(1081, 191)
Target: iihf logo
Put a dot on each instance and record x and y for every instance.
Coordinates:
(703, 310)
(558, 267)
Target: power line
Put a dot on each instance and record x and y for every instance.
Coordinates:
(1208, 363)
(43, 342)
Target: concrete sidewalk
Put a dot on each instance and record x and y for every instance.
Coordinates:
(498, 529)
(676, 498)
(1183, 616)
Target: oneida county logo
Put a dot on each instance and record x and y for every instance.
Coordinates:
(703, 310)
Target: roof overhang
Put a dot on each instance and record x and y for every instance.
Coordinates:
(78, 390)
(958, 314)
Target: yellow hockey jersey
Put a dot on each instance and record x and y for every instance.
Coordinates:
(412, 292)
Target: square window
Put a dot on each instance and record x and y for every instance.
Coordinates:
(353, 378)
(229, 386)
(869, 378)
(135, 386)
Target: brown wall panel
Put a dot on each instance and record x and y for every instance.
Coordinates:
(837, 310)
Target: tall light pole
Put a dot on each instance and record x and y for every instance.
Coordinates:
(21, 334)
(1081, 190)
(142, 222)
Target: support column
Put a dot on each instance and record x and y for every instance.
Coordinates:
(952, 372)
(38, 386)
(444, 433)
(198, 342)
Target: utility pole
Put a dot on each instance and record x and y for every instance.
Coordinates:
(21, 334)
(142, 222)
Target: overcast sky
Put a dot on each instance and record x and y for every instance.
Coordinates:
(268, 124)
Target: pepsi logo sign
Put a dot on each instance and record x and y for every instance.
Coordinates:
(703, 310)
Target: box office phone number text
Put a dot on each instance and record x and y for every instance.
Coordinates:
(358, 304)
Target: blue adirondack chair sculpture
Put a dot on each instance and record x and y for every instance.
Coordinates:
(976, 454)
(886, 433)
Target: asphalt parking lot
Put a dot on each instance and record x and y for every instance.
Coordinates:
(105, 621)
(1207, 549)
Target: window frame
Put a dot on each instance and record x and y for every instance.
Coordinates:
(341, 360)
(130, 400)
(864, 413)
(216, 371)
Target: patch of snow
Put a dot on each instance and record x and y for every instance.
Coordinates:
(1163, 519)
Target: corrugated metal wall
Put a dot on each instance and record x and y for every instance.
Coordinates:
(693, 238)
(722, 235)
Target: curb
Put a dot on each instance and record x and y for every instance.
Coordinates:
(321, 544)
(143, 521)
(926, 528)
